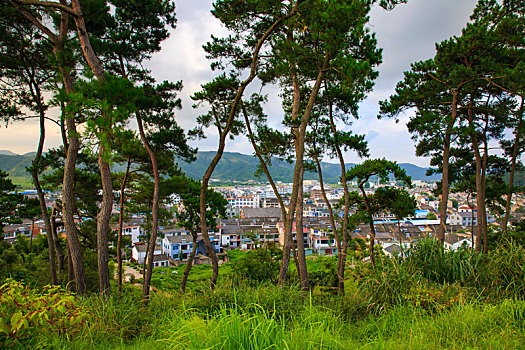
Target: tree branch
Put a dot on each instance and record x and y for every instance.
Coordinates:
(47, 4)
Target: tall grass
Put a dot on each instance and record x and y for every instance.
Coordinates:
(433, 299)
(256, 328)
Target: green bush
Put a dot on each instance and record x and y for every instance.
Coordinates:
(27, 314)
(259, 265)
(503, 274)
(439, 265)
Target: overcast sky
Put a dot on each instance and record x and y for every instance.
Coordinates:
(406, 34)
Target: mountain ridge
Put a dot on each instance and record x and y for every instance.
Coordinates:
(233, 166)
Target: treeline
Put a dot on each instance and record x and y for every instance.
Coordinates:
(88, 56)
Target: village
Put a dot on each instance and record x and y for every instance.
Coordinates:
(254, 219)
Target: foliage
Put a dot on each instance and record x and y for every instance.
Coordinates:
(259, 265)
(27, 314)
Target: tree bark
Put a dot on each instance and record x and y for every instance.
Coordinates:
(120, 224)
(103, 218)
(222, 142)
(340, 273)
(371, 224)
(445, 185)
(189, 263)
(154, 212)
(515, 152)
(68, 196)
(299, 164)
(40, 193)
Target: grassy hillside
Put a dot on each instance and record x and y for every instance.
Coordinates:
(16, 165)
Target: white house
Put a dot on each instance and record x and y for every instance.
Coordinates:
(467, 219)
(133, 230)
(454, 242)
(138, 253)
(322, 244)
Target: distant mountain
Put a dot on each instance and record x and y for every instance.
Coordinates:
(241, 167)
(233, 166)
(7, 153)
(15, 164)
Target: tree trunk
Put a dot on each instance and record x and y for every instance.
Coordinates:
(508, 202)
(340, 273)
(70, 267)
(299, 162)
(222, 143)
(287, 245)
(299, 235)
(36, 94)
(68, 196)
(483, 191)
(471, 220)
(445, 181)
(189, 263)
(103, 218)
(513, 162)
(56, 240)
(371, 224)
(120, 224)
(104, 214)
(341, 261)
(479, 180)
(154, 212)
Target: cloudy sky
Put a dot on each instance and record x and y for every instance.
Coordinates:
(406, 34)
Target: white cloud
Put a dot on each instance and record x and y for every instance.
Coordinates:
(406, 34)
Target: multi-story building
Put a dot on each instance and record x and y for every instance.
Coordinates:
(244, 201)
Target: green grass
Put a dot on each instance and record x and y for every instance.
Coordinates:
(23, 182)
(173, 322)
(430, 301)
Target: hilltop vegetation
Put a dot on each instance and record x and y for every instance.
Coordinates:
(233, 167)
(432, 300)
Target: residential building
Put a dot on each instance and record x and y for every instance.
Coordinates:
(138, 252)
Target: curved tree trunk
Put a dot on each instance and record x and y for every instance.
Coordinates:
(222, 143)
(341, 261)
(120, 224)
(72, 136)
(40, 192)
(340, 276)
(68, 196)
(445, 185)
(371, 224)
(189, 263)
(299, 235)
(154, 213)
(299, 146)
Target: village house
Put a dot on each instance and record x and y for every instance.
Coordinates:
(138, 252)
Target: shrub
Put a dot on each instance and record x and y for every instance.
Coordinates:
(259, 265)
(504, 272)
(26, 313)
(439, 265)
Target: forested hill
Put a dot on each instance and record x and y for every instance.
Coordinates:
(241, 167)
(233, 166)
